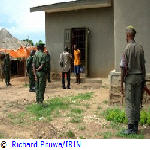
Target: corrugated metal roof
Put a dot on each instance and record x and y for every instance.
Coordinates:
(73, 5)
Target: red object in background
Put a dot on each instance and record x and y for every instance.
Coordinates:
(22, 52)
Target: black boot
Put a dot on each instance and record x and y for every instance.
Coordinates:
(130, 130)
(136, 127)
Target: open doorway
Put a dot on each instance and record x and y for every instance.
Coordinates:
(79, 37)
(17, 67)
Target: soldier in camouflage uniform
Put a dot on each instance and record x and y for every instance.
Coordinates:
(30, 72)
(133, 73)
(39, 62)
(6, 69)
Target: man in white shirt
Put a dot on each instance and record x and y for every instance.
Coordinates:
(65, 64)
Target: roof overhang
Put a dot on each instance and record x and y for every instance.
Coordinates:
(73, 5)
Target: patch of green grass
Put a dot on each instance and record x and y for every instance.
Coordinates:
(76, 119)
(17, 118)
(70, 134)
(56, 113)
(115, 125)
(83, 96)
(76, 110)
(51, 109)
(131, 136)
(46, 111)
(107, 135)
(82, 127)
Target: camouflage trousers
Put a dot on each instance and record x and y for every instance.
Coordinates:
(40, 85)
(7, 77)
(31, 81)
(133, 96)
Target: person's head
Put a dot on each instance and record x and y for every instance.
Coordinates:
(66, 49)
(40, 46)
(32, 53)
(130, 33)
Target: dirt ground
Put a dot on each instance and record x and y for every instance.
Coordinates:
(15, 98)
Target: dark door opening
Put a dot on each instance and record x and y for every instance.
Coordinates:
(79, 37)
(17, 68)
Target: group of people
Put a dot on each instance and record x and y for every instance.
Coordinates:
(38, 68)
(133, 74)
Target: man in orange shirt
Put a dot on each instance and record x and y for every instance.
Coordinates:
(77, 64)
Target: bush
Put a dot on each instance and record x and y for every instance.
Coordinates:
(118, 116)
(143, 117)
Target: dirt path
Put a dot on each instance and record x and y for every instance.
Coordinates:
(14, 99)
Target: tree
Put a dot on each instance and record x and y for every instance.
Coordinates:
(29, 41)
(40, 41)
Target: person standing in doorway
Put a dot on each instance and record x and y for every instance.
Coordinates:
(77, 63)
(133, 74)
(65, 64)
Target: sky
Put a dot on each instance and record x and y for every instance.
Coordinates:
(15, 16)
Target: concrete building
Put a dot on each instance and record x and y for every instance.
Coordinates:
(104, 23)
(87, 23)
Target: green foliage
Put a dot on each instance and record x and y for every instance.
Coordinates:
(29, 41)
(131, 136)
(40, 41)
(148, 117)
(17, 118)
(76, 118)
(45, 111)
(70, 134)
(115, 115)
(76, 110)
(143, 117)
(107, 135)
(82, 96)
(118, 116)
